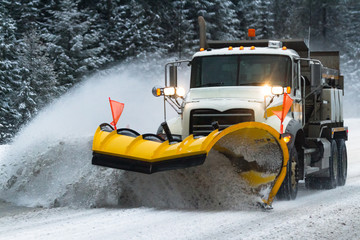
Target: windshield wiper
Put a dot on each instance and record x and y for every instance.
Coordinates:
(211, 84)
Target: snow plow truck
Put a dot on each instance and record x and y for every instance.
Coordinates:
(273, 108)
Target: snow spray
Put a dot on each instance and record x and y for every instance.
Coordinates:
(49, 162)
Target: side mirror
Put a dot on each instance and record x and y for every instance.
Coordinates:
(315, 69)
(173, 75)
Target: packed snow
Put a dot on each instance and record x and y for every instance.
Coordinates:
(50, 190)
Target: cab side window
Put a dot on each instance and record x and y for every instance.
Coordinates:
(296, 75)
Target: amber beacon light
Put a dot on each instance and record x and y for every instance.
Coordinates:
(251, 32)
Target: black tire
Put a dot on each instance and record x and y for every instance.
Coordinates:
(342, 162)
(289, 187)
(332, 180)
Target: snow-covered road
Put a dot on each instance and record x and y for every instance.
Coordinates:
(328, 215)
(315, 214)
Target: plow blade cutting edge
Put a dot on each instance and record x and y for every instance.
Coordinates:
(254, 149)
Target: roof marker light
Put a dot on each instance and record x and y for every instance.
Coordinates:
(241, 48)
(252, 48)
(284, 48)
(202, 49)
(230, 48)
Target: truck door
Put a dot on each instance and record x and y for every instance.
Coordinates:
(296, 92)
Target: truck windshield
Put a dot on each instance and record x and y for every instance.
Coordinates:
(240, 70)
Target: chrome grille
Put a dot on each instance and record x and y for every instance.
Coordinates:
(201, 119)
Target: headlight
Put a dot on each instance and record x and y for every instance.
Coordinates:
(277, 90)
(180, 91)
(169, 91)
(267, 90)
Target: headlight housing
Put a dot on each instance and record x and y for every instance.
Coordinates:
(180, 92)
(169, 91)
(277, 90)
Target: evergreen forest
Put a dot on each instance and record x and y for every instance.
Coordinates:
(49, 46)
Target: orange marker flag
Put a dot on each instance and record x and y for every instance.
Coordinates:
(287, 102)
(116, 110)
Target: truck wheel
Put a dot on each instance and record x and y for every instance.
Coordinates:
(334, 167)
(290, 185)
(342, 162)
(332, 180)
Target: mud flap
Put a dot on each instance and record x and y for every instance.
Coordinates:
(255, 150)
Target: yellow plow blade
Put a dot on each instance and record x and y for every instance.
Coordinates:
(254, 149)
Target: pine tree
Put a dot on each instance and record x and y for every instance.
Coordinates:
(73, 45)
(140, 32)
(348, 41)
(241, 28)
(27, 15)
(109, 17)
(265, 20)
(39, 82)
(226, 20)
(9, 75)
(183, 28)
(258, 16)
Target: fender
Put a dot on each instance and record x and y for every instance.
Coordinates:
(296, 130)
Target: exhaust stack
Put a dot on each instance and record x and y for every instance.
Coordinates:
(202, 30)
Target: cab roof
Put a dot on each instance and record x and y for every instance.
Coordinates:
(247, 50)
(295, 44)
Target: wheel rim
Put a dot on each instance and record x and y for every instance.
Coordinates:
(294, 181)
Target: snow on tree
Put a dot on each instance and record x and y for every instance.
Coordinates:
(226, 20)
(10, 75)
(109, 17)
(39, 80)
(258, 16)
(72, 39)
(73, 45)
(140, 32)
